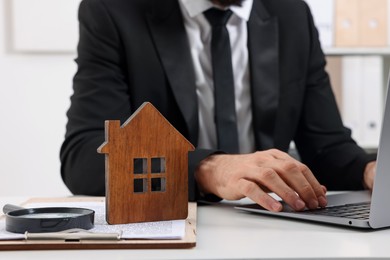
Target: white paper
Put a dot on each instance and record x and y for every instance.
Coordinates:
(149, 230)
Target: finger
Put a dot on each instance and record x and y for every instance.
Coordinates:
(291, 172)
(319, 190)
(255, 193)
(269, 178)
(300, 178)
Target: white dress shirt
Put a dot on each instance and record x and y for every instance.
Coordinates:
(199, 35)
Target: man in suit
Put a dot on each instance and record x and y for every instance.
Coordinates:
(159, 51)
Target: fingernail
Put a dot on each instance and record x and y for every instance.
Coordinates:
(276, 206)
(299, 204)
(323, 201)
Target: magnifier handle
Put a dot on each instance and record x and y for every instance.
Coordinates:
(9, 207)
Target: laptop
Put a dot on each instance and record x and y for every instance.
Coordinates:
(360, 209)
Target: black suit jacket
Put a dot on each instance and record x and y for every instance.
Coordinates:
(135, 51)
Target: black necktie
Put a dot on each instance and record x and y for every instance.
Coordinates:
(225, 111)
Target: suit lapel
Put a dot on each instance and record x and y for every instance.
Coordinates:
(264, 69)
(169, 35)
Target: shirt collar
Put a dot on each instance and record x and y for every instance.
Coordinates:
(196, 7)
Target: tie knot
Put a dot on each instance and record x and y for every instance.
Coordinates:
(217, 17)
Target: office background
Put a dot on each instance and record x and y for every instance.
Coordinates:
(34, 95)
(37, 50)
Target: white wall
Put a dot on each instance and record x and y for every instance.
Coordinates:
(34, 96)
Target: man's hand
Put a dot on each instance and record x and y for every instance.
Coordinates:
(254, 175)
(369, 175)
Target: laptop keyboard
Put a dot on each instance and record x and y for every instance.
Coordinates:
(355, 211)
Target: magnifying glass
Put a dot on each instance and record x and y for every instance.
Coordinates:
(51, 219)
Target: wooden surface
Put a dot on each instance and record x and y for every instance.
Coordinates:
(146, 136)
(188, 241)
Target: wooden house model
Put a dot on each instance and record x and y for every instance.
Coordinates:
(146, 169)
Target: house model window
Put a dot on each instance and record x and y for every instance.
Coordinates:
(151, 179)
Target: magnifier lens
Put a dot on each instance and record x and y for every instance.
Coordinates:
(51, 219)
(50, 215)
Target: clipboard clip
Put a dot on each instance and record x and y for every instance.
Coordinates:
(72, 235)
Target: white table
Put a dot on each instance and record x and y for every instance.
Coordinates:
(226, 233)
